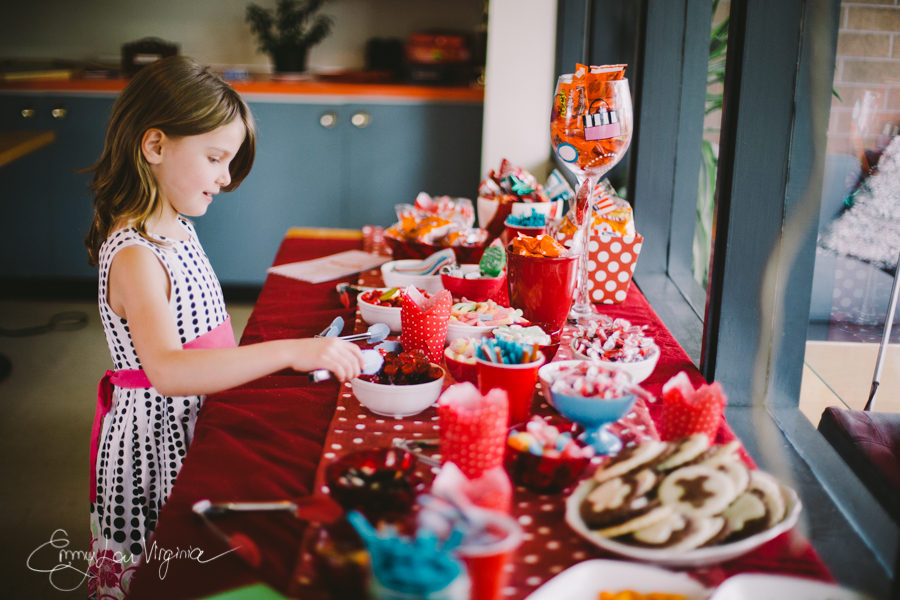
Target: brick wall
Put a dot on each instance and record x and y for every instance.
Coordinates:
(867, 75)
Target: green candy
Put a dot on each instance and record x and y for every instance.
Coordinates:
(492, 261)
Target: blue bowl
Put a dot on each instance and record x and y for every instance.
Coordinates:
(595, 415)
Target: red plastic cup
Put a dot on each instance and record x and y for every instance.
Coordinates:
(518, 380)
(487, 563)
(542, 287)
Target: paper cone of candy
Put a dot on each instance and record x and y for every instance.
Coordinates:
(424, 322)
(686, 411)
(514, 191)
(473, 437)
(614, 247)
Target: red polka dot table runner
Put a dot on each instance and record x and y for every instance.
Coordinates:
(269, 440)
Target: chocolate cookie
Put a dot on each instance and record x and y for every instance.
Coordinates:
(617, 501)
(746, 516)
(655, 515)
(685, 451)
(663, 534)
(704, 531)
(697, 491)
(766, 487)
(738, 473)
(719, 454)
(646, 454)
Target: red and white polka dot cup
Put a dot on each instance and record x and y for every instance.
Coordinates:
(611, 263)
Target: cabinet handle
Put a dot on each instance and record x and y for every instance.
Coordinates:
(328, 120)
(59, 113)
(361, 119)
(29, 112)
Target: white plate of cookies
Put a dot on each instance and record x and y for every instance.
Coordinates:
(681, 504)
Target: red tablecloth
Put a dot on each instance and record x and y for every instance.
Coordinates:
(265, 440)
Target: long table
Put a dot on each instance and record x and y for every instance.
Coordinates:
(268, 440)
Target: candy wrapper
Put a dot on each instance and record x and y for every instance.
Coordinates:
(514, 191)
(588, 128)
(491, 490)
(431, 224)
(473, 428)
(686, 411)
(541, 245)
(424, 322)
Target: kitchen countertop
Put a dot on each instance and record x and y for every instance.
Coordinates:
(268, 86)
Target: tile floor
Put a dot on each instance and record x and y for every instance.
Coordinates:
(47, 407)
(840, 374)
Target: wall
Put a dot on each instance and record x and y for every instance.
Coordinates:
(211, 31)
(868, 60)
(519, 85)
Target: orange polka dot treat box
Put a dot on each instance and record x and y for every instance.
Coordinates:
(424, 322)
(614, 247)
(686, 411)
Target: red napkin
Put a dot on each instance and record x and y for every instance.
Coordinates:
(424, 322)
(473, 428)
(492, 490)
(686, 411)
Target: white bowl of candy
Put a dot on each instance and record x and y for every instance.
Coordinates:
(618, 344)
(479, 319)
(381, 306)
(394, 278)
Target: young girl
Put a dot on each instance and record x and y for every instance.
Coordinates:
(178, 135)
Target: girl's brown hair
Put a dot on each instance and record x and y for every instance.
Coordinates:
(179, 97)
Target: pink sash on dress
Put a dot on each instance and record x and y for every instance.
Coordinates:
(220, 337)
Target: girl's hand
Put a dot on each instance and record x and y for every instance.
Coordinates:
(342, 358)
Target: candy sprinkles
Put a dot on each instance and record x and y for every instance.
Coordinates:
(505, 352)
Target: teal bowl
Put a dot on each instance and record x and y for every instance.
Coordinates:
(595, 415)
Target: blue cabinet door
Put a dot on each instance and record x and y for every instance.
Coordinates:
(45, 208)
(295, 181)
(404, 150)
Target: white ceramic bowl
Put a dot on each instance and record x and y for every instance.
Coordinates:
(371, 314)
(585, 581)
(397, 400)
(751, 586)
(430, 283)
(639, 370)
(456, 331)
(693, 558)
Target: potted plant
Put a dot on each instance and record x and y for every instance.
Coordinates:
(288, 32)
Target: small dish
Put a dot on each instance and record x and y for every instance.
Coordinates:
(694, 558)
(585, 581)
(639, 370)
(751, 586)
(457, 330)
(548, 372)
(477, 290)
(461, 371)
(430, 283)
(371, 314)
(543, 474)
(376, 482)
(397, 401)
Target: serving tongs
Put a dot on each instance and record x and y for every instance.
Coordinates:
(374, 359)
(414, 447)
(374, 335)
(315, 509)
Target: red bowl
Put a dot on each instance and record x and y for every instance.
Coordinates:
(541, 474)
(476, 290)
(402, 250)
(461, 371)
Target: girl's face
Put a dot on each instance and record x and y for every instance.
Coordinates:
(191, 170)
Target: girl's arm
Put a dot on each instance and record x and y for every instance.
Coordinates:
(138, 292)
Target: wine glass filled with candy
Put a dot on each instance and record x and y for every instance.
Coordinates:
(590, 129)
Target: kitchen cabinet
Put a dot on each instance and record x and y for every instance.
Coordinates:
(334, 163)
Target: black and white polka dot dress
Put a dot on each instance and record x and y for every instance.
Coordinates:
(145, 435)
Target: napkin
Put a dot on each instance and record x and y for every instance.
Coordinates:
(473, 427)
(491, 490)
(686, 411)
(424, 322)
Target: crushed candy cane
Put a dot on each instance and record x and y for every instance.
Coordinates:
(592, 380)
(613, 340)
(543, 439)
(484, 314)
(529, 335)
(462, 350)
